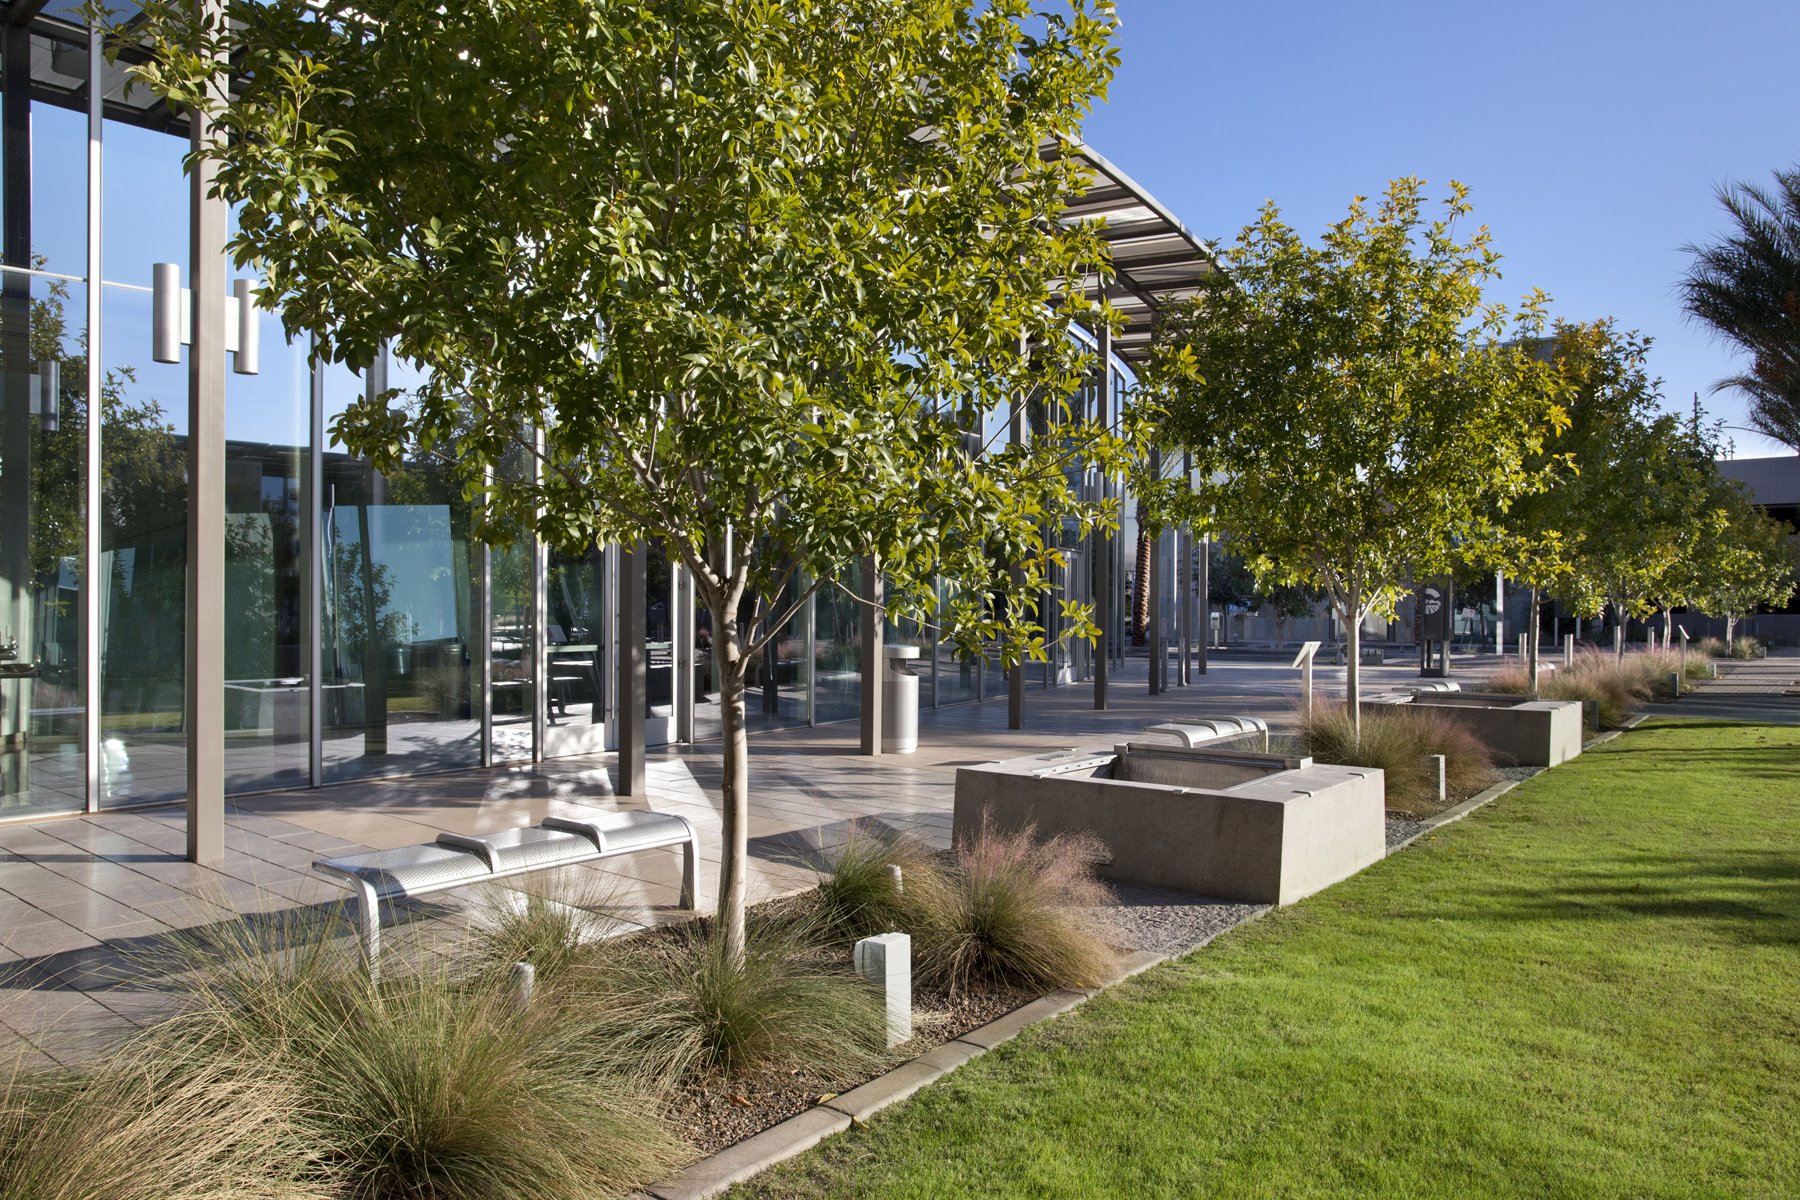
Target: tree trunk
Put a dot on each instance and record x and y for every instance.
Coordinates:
(735, 808)
(1353, 664)
(1140, 595)
(1730, 628)
(1533, 634)
(1619, 630)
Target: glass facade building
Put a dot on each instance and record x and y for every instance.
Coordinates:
(366, 631)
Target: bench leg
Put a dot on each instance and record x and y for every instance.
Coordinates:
(368, 925)
(690, 869)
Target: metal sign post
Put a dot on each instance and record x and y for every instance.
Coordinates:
(1303, 662)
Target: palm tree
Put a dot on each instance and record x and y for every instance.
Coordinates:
(1747, 288)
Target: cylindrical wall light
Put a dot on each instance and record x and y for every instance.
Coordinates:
(46, 395)
(376, 377)
(249, 339)
(166, 313)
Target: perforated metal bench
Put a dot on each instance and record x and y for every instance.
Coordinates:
(455, 860)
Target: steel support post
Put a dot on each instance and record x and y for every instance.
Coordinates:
(872, 657)
(633, 675)
(205, 693)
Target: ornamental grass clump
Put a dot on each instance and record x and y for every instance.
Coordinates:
(551, 926)
(146, 1126)
(427, 1084)
(1399, 740)
(1004, 915)
(1618, 690)
(858, 896)
(682, 1005)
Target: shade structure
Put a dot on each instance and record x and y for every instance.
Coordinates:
(1155, 259)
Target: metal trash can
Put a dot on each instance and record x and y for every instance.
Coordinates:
(899, 700)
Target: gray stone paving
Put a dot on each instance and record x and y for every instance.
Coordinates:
(86, 902)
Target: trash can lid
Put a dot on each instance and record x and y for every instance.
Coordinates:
(900, 651)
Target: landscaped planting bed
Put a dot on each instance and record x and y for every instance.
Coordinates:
(1587, 991)
(300, 1077)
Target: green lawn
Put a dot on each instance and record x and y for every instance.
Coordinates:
(1590, 988)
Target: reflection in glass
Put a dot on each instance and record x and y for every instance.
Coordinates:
(143, 559)
(515, 659)
(43, 450)
(399, 599)
(659, 646)
(837, 657)
(267, 431)
(575, 653)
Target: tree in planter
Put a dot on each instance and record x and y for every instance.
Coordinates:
(751, 273)
(1352, 409)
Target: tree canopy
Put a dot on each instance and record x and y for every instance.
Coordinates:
(744, 276)
(1355, 409)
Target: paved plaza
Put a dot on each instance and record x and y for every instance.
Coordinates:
(86, 902)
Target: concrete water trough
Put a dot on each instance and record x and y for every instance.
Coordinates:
(1240, 825)
(1518, 730)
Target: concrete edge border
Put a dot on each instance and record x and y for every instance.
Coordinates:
(717, 1173)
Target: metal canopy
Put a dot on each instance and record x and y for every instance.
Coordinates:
(59, 66)
(1155, 259)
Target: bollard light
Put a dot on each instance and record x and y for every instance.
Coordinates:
(886, 962)
(524, 983)
(1435, 765)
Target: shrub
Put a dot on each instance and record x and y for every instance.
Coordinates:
(1399, 738)
(679, 1004)
(1619, 690)
(424, 1086)
(1001, 916)
(1748, 647)
(138, 1127)
(1712, 647)
(857, 896)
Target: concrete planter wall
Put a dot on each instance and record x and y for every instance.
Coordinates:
(1249, 827)
(1517, 730)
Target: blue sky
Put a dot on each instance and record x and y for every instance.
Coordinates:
(1591, 134)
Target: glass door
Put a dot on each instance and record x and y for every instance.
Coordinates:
(576, 660)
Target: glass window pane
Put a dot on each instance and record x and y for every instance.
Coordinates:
(268, 431)
(838, 658)
(143, 545)
(399, 600)
(575, 647)
(43, 451)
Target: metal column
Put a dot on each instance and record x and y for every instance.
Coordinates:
(1159, 656)
(872, 657)
(1101, 542)
(205, 699)
(633, 678)
(1015, 676)
(91, 577)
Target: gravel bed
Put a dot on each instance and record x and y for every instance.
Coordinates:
(713, 1115)
(1163, 920)
(1517, 773)
(1399, 829)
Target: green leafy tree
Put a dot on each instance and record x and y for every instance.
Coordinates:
(1230, 583)
(1742, 561)
(1288, 602)
(1746, 287)
(750, 270)
(1355, 408)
